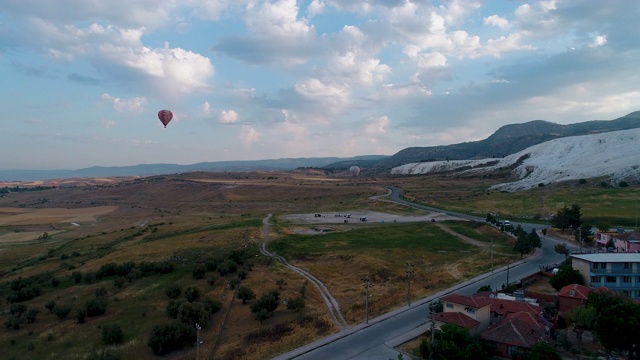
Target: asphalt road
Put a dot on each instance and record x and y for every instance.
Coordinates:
(376, 340)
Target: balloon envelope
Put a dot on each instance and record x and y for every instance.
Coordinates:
(165, 116)
(354, 170)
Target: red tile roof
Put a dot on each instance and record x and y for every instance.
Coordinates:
(505, 306)
(456, 318)
(465, 300)
(521, 329)
(575, 291)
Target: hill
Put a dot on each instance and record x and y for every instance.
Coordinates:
(612, 154)
(509, 139)
(284, 164)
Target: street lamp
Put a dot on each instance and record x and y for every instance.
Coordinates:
(409, 272)
(198, 328)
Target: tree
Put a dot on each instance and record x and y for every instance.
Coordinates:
(436, 306)
(454, 342)
(562, 249)
(167, 338)
(583, 318)
(566, 275)
(584, 234)
(192, 294)
(567, 217)
(543, 351)
(617, 321)
(245, 294)
(266, 305)
(484, 288)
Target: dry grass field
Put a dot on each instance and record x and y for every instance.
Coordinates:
(197, 222)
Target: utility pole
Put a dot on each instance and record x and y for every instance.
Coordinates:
(367, 284)
(491, 254)
(508, 274)
(433, 333)
(409, 272)
(198, 327)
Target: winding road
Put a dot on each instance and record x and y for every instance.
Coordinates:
(330, 301)
(378, 338)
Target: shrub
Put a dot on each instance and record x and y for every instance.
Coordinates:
(233, 283)
(211, 305)
(242, 274)
(13, 322)
(31, 314)
(112, 334)
(227, 267)
(50, 305)
(76, 276)
(18, 309)
(199, 272)
(193, 313)
(173, 291)
(623, 184)
(167, 338)
(192, 294)
(81, 316)
(55, 282)
(582, 181)
(296, 304)
(245, 294)
(100, 292)
(62, 311)
(173, 307)
(96, 307)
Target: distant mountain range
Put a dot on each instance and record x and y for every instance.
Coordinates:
(507, 140)
(158, 169)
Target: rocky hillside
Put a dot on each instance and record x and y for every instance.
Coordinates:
(509, 139)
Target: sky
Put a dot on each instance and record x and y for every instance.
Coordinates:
(82, 81)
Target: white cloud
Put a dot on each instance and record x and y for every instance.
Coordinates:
(108, 124)
(599, 40)
(205, 108)
(228, 117)
(376, 126)
(315, 7)
(331, 95)
(504, 44)
(249, 136)
(125, 105)
(497, 21)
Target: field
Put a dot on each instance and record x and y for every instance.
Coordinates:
(124, 244)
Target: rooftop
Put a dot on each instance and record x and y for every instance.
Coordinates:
(575, 291)
(456, 318)
(521, 329)
(608, 257)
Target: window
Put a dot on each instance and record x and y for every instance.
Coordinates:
(449, 306)
(599, 265)
(626, 279)
(611, 279)
(596, 279)
(594, 265)
(627, 265)
(603, 265)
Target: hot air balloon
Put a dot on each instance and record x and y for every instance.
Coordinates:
(165, 116)
(354, 170)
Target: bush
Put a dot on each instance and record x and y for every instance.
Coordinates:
(100, 292)
(199, 272)
(173, 307)
(211, 305)
(623, 184)
(81, 316)
(173, 291)
(296, 304)
(31, 314)
(96, 307)
(13, 322)
(112, 334)
(192, 294)
(55, 282)
(61, 311)
(18, 309)
(245, 294)
(582, 181)
(227, 267)
(167, 338)
(50, 305)
(193, 313)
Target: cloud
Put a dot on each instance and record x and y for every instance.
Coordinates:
(85, 80)
(276, 36)
(249, 136)
(376, 126)
(228, 117)
(497, 21)
(124, 105)
(599, 40)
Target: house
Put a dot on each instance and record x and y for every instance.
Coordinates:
(514, 326)
(516, 334)
(619, 272)
(572, 296)
(474, 308)
(622, 241)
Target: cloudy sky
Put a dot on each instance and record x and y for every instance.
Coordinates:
(83, 80)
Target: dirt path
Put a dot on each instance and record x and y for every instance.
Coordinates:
(466, 239)
(330, 301)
